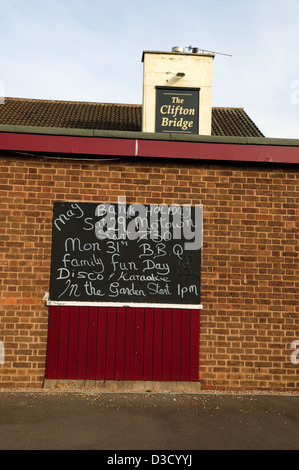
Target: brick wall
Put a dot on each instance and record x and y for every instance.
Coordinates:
(250, 258)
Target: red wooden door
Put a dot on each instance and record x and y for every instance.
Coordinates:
(105, 343)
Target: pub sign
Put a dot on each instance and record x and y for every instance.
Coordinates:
(177, 110)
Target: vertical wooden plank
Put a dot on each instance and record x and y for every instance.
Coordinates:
(73, 343)
(110, 344)
(53, 342)
(130, 344)
(148, 344)
(120, 344)
(167, 344)
(101, 343)
(139, 344)
(194, 347)
(91, 359)
(176, 344)
(82, 343)
(185, 352)
(63, 343)
(158, 344)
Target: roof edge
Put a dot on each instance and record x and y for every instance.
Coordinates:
(57, 131)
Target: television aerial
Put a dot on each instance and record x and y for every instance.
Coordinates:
(197, 49)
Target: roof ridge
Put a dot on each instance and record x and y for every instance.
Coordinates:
(47, 100)
(103, 103)
(227, 107)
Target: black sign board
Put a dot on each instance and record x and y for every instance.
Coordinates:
(128, 254)
(177, 110)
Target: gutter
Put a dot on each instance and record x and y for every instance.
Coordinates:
(98, 143)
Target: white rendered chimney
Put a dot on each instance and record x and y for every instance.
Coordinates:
(177, 91)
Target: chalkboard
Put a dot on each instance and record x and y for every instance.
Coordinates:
(126, 254)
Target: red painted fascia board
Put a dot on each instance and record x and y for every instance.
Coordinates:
(219, 151)
(66, 144)
(106, 146)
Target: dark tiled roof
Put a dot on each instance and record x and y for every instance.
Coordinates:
(233, 122)
(109, 116)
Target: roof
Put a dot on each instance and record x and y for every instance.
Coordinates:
(233, 122)
(109, 116)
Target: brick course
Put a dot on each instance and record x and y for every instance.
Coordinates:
(249, 269)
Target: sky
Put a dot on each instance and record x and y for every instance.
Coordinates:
(91, 50)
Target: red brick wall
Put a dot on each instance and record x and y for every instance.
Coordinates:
(250, 258)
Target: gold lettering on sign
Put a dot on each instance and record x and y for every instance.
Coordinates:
(174, 111)
(176, 123)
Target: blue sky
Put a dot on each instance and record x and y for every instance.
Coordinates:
(91, 50)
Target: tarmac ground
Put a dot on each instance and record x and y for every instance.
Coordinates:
(147, 421)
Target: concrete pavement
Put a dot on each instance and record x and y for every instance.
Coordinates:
(45, 420)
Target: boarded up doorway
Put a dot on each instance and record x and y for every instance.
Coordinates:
(105, 343)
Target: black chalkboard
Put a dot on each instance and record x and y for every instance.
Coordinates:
(121, 253)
